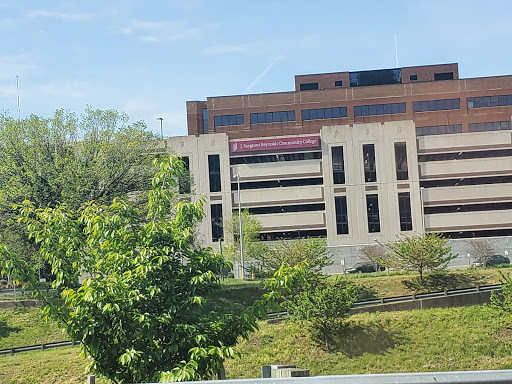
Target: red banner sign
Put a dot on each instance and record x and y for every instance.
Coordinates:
(275, 144)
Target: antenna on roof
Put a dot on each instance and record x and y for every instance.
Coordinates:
(396, 52)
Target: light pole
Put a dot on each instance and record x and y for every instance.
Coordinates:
(161, 130)
(422, 209)
(240, 226)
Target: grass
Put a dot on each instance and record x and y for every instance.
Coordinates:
(21, 327)
(56, 366)
(427, 340)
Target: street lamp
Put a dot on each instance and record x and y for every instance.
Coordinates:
(240, 226)
(161, 130)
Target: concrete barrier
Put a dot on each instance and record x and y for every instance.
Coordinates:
(450, 301)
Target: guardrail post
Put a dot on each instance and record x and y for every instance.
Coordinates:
(91, 379)
(382, 300)
(446, 292)
(42, 347)
(478, 288)
(12, 352)
(414, 296)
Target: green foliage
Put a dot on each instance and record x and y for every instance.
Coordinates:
(325, 306)
(69, 160)
(139, 310)
(255, 251)
(420, 253)
(503, 301)
(312, 252)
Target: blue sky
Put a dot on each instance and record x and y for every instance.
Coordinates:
(148, 58)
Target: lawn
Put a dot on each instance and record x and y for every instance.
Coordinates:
(424, 340)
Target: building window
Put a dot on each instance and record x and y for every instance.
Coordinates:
(370, 170)
(324, 113)
(490, 126)
(340, 203)
(413, 77)
(404, 208)
(272, 117)
(438, 130)
(443, 76)
(224, 120)
(489, 101)
(308, 86)
(217, 223)
(379, 109)
(287, 209)
(214, 172)
(375, 77)
(372, 207)
(338, 83)
(275, 158)
(338, 165)
(402, 171)
(205, 120)
(184, 180)
(278, 183)
(435, 105)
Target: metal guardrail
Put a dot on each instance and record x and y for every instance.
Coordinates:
(40, 347)
(452, 292)
(457, 377)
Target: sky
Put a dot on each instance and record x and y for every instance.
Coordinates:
(147, 58)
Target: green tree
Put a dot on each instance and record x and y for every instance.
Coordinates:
(503, 301)
(69, 159)
(138, 312)
(255, 251)
(420, 253)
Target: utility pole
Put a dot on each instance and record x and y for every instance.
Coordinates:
(240, 227)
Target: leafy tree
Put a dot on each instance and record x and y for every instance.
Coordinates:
(503, 301)
(69, 160)
(312, 252)
(374, 255)
(255, 251)
(325, 306)
(481, 249)
(138, 312)
(425, 252)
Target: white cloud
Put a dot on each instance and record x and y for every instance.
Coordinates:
(66, 16)
(158, 31)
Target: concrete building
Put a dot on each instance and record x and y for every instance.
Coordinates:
(360, 157)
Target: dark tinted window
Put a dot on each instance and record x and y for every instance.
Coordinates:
(217, 223)
(214, 172)
(290, 235)
(338, 165)
(276, 158)
(435, 105)
(465, 155)
(377, 77)
(278, 183)
(379, 109)
(466, 181)
(413, 77)
(340, 203)
(308, 86)
(402, 171)
(184, 181)
(438, 130)
(490, 126)
(443, 76)
(372, 208)
(404, 208)
(205, 120)
(370, 169)
(324, 113)
(228, 120)
(272, 117)
(287, 209)
(505, 206)
(338, 83)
